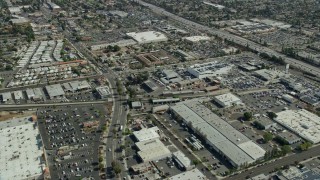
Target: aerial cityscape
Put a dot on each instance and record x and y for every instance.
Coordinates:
(158, 89)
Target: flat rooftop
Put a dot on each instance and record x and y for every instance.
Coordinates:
(193, 174)
(147, 37)
(152, 149)
(21, 149)
(236, 146)
(228, 98)
(197, 38)
(55, 90)
(146, 134)
(302, 122)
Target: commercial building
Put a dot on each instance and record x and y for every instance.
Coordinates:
(164, 101)
(150, 85)
(149, 60)
(14, 10)
(264, 123)
(227, 100)
(182, 160)
(103, 92)
(195, 39)
(142, 167)
(170, 76)
(18, 95)
(294, 173)
(75, 86)
(6, 96)
(289, 137)
(159, 109)
(220, 135)
(184, 55)
(270, 76)
(34, 94)
(189, 82)
(209, 69)
(55, 91)
(302, 122)
(20, 22)
(54, 7)
(288, 98)
(146, 134)
(136, 105)
(147, 37)
(21, 150)
(193, 174)
(152, 150)
(311, 100)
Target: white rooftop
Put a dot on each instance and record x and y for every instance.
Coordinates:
(182, 158)
(197, 38)
(147, 37)
(18, 95)
(228, 99)
(146, 134)
(220, 134)
(6, 96)
(55, 90)
(21, 149)
(21, 20)
(208, 69)
(302, 122)
(193, 174)
(152, 150)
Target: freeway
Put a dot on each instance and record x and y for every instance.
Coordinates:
(236, 39)
(267, 168)
(27, 106)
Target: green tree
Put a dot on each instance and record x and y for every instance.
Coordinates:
(272, 115)
(101, 166)
(247, 116)
(305, 146)
(267, 137)
(285, 149)
(116, 167)
(196, 162)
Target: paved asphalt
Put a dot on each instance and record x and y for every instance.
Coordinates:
(119, 118)
(181, 147)
(236, 39)
(25, 106)
(267, 168)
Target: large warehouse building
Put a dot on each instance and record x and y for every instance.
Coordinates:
(209, 69)
(302, 122)
(147, 134)
(147, 37)
(227, 100)
(220, 135)
(21, 150)
(152, 150)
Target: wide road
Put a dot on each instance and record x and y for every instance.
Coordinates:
(27, 106)
(119, 118)
(315, 151)
(236, 39)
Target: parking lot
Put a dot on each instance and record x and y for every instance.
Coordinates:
(71, 137)
(213, 159)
